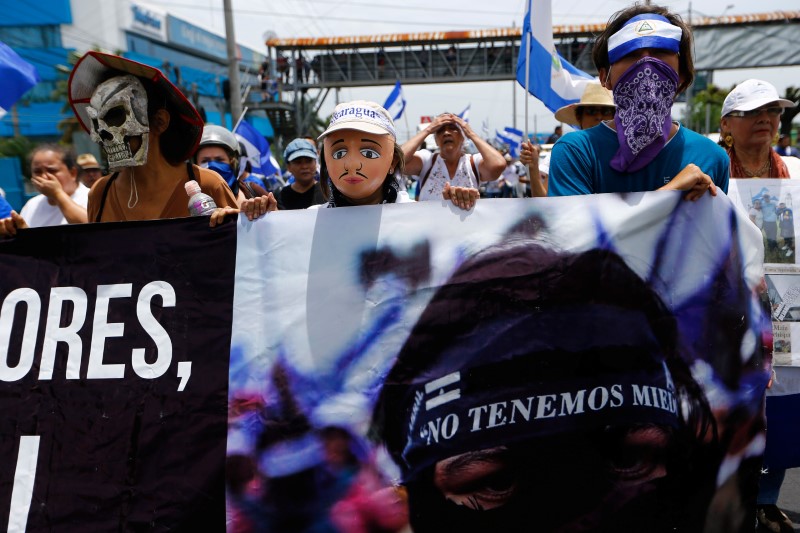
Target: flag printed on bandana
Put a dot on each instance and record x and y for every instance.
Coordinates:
(396, 103)
(544, 73)
(17, 77)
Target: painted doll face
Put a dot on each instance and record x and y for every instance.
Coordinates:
(358, 163)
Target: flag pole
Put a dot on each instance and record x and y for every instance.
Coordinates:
(528, 84)
(241, 117)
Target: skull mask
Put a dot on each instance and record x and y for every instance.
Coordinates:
(118, 110)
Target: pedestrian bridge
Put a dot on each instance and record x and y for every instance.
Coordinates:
(306, 69)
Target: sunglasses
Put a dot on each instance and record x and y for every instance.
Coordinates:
(774, 111)
(592, 111)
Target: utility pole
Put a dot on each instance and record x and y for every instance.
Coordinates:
(233, 63)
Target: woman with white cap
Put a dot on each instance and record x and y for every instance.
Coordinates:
(751, 116)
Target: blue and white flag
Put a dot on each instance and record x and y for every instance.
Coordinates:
(464, 115)
(511, 137)
(396, 103)
(256, 148)
(17, 76)
(553, 80)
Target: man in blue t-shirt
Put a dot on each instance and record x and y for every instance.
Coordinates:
(644, 57)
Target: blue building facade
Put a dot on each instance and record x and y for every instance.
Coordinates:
(46, 32)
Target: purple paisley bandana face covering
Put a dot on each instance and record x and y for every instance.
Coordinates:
(644, 96)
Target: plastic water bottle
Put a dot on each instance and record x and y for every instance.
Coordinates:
(199, 202)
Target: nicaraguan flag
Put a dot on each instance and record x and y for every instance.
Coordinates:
(464, 115)
(552, 79)
(396, 103)
(17, 76)
(257, 149)
(511, 137)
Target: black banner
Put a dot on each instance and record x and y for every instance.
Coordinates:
(114, 353)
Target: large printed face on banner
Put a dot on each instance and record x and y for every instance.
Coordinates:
(358, 163)
(576, 364)
(526, 367)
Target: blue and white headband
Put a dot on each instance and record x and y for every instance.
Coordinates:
(644, 31)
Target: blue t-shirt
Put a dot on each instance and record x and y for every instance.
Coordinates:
(5, 208)
(580, 163)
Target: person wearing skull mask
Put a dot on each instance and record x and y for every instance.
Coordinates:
(148, 130)
(644, 56)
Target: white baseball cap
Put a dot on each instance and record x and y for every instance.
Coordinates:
(361, 115)
(752, 94)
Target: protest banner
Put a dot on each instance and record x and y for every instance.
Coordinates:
(604, 355)
(769, 204)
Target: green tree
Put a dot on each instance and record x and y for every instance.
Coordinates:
(793, 94)
(706, 107)
(20, 147)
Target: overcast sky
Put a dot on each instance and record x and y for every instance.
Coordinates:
(490, 101)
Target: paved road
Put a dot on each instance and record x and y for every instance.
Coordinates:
(789, 501)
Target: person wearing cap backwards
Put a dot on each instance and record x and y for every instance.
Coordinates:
(90, 169)
(644, 57)
(301, 160)
(514, 403)
(219, 151)
(148, 130)
(440, 172)
(750, 118)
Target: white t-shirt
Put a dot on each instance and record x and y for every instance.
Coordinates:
(433, 187)
(511, 174)
(37, 212)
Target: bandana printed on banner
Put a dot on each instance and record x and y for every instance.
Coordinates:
(147, 442)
